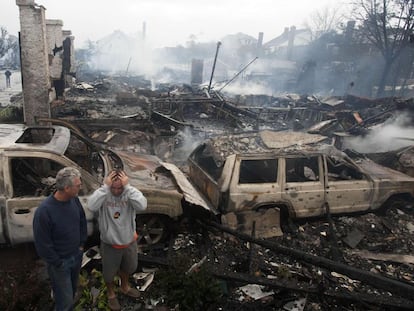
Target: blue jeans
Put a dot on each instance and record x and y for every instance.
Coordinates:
(64, 281)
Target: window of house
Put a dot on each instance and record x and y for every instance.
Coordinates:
(258, 171)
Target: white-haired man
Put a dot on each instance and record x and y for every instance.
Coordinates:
(59, 228)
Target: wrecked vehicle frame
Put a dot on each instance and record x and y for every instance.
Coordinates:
(250, 179)
(31, 157)
(258, 180)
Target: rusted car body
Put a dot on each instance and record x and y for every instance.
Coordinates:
(31, 156)
(256, 178)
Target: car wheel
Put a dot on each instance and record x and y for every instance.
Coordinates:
(401, 204)
(151, 229)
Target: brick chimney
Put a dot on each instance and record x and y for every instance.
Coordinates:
(34, 61)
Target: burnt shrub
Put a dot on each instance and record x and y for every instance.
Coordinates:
(196, 290)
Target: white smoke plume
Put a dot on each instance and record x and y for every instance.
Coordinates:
(249, 88)
(391, 135)
(187, 142)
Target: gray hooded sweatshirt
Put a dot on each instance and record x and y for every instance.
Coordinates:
(117, 214)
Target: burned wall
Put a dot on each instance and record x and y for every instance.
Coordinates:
(54, 44)
(34, 60)
(47, 55)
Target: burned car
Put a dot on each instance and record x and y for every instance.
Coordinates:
(31, 157)
(265, 178)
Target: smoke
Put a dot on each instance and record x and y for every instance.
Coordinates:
(311, 71)
(252, 79)
(246, 88)
(186, 142)
(120, 53)
(391, 135)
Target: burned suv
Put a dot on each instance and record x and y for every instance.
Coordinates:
(266, 177)
(30, 157)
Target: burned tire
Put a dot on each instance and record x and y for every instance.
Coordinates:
(151, 229)
(403, 203)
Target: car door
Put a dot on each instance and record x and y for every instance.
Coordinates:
(347, 188)
(254, 182)
(303, 185)
(205, 174)
(29, 179)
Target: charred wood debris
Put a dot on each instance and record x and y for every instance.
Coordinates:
(361, 262)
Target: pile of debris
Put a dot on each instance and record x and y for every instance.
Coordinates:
(173, 115)
(348, 263)
(342, 263)
(356, 263)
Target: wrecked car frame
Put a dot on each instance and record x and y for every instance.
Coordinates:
(31, 157)
(247, 179)
(256, 180)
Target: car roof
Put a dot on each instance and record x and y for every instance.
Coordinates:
(18, 137)
(266, 142)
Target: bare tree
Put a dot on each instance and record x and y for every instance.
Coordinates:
(326, 20)
(3, 41)
(387, 25)
(9, 46)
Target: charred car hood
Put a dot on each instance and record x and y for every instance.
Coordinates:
(146, 171)
(380, 172)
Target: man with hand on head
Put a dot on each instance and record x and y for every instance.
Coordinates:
(117, 203)
(59, 229)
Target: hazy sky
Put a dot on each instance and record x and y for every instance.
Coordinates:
(171, 22)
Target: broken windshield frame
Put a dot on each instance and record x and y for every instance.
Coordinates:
(92, 158)
(206, 161)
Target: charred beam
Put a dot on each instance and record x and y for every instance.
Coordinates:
(400, 304)
(151, 260)
(385, 283)
(160, 116)
(281, 284)
(113, 123)
(243, 69)
(391, 302)
(214, 65)
(228, 106)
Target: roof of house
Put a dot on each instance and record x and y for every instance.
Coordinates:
(302, 37)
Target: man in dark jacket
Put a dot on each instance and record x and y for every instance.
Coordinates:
(7, 73)
(59, 228)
